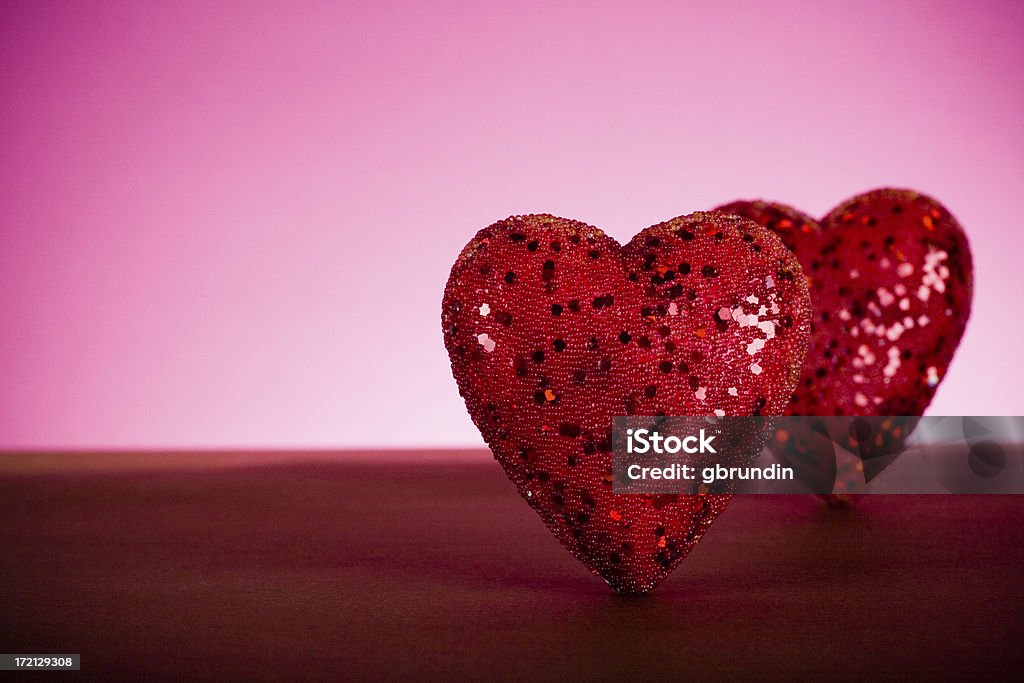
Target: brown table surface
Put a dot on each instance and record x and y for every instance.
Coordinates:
(427, 565)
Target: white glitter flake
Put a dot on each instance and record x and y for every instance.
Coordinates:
(486, 342)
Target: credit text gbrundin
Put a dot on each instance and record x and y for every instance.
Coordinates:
(644, 441)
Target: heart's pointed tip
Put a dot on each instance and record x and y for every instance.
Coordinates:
(633, 588)
(839, 501)
(633, 593)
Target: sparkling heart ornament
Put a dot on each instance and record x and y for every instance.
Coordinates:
(891, 284)
(553, 329)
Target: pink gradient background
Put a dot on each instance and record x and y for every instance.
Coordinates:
(230, 224)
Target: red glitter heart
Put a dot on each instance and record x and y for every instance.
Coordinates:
(553, 329)
(891, 283)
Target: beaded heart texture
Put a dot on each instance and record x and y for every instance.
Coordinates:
(553, 329)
